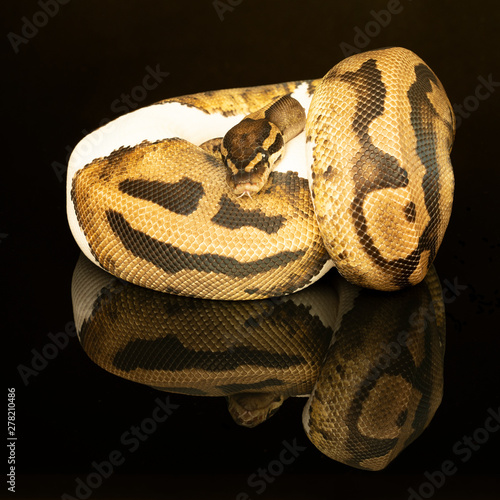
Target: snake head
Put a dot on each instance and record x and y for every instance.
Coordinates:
(250, 150)
(252, 408)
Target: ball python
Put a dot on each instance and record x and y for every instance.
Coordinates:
(257, 192)
(370, 364)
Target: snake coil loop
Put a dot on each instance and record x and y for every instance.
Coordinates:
(369, 143)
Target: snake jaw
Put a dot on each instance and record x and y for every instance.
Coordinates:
(248, 183)
(247, 188)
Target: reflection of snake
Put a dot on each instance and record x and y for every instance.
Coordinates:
(151, 206)
(371, 361)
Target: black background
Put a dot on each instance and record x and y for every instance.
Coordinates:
(65, 78)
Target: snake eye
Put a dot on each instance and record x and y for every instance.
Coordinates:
(264, 155)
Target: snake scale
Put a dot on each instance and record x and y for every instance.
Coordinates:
(257, 192)
(369, 363)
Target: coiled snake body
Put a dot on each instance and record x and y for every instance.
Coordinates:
(370, 363)
(149, 205)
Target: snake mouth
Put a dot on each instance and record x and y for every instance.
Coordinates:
(247, 183)
(247, 188)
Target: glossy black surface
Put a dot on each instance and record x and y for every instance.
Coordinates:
(88, 63)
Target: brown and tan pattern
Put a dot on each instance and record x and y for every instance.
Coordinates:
(236, 101)
(182, 230)
(372, 362)
(382, 177)
(382, 381)
(379, 130)
(203, 347)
